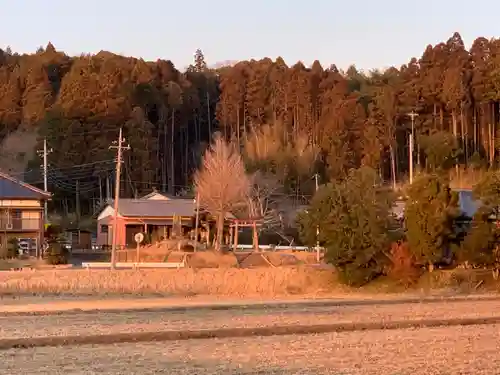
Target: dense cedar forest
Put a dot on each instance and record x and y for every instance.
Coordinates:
(292, 120)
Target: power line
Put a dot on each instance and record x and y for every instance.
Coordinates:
(20, 175)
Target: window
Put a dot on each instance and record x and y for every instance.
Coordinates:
(16, 214)
(104, 229)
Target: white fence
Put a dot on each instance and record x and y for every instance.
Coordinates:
(279, 248)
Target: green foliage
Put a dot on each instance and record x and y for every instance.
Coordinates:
(480, 246)
(10, 251)
(441, 149)
(12, 248)
(355, 221)
(57, 253)
(488, 191)
(429, 217)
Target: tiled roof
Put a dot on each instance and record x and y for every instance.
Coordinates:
(11, 188)
(156, 208)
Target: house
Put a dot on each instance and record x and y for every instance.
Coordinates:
(78, 239)
(21, 211)
(156, 214)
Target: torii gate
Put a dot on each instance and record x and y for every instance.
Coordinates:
(253, 223)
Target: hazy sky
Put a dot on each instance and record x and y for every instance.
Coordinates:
(370, 34)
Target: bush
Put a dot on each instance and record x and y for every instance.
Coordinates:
(11, 251)
(481, 244)
(429, 217)
(57, 254)
(355, 222)
(403, 267)
(479, 248)
(12, 248)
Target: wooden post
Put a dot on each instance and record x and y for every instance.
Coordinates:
(235, 235)
(137, 257)
(231, 234)
(255, 236)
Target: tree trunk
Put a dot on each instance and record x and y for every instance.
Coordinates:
(255, 236)
(441, 117)
(454, 123)
(164, 159)
(455, 135)
(209, 117)
(238, 127)
(172, 155)
(393, 167)
(220, 230)
(464, 133)
(474, 124)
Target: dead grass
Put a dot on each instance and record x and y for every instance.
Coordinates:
(264, 282)
(8, 264)
(209, 259)
(212, 259)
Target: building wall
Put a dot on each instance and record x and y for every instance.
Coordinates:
(20, 203)
(105, 231)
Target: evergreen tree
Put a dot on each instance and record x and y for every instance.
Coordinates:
(354, 220)
(429, 217)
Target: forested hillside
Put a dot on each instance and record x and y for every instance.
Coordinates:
(292, 120)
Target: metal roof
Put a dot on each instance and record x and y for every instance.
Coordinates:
(155, 192)
(156, 208)
(468, 205)
(11, 188)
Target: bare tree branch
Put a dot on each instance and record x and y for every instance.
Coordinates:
(222, 183)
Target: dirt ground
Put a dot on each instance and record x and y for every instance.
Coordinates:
(402, 352)
(105, 323)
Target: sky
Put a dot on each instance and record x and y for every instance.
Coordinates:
(370, 34)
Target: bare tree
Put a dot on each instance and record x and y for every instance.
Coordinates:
(222, 183)
(261, 204)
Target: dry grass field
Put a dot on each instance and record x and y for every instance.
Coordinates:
(210, 259)
(234, 282)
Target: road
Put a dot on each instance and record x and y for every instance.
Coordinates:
(442, 350)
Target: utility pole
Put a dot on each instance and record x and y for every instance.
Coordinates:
(77, 203)
(317, 226)
(120, 148)
(197, 221)
(412, 115)
(44, 153)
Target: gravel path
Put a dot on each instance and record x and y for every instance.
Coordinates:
(446, 351)
(105, 323)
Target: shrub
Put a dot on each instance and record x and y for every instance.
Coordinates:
(481, 244)
(403, 267)
(429, 217)
(12, 248)
(355, 222)
(57, 254)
